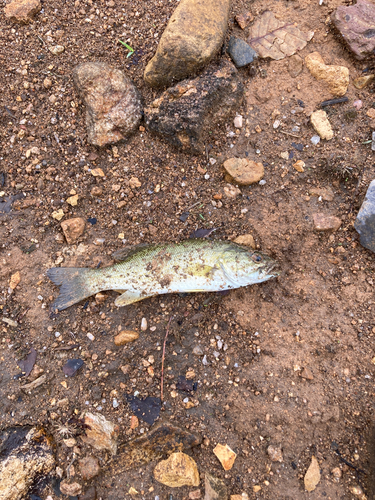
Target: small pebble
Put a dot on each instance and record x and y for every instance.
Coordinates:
(144, 324)
(238, 121)
(204, 360)
(262, 182)
(315, 139)
(91, 337)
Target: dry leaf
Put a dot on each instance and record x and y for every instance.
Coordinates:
(312, 476)
(270, 37)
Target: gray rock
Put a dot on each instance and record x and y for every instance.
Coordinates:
(240, 52)
(365, 221)
(113, 105)
(25, 455)
(184, 114)
(215, 488)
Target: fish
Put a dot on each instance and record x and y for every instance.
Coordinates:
(143, 271)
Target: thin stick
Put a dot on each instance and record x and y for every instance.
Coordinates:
(162, 361)
(289, 133)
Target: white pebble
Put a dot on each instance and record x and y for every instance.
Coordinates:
(57, 334)
(276, 124)
(238, 121)
(91, 337)
(144, 324)
(207, 176)
(219, 344)
(315, 139)
(115, 403)
(186, 400)
(204, 360)
(216, 354)
(262, 182)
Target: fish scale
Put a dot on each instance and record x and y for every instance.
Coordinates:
(195, 265)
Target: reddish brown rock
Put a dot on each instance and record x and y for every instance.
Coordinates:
(70, 489)
(324, 222)
(89, 467)
(22, 11)
(73, 229)
(113, 105)
(357, 27)
(244, 19)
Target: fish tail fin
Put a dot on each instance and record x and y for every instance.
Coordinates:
(75, 285)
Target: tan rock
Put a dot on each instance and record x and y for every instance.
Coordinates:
(244, 19)
(72, 200)
(134, 182)
(371, 113)
(307, 374)
(244, 171)
(126, 336)
(245, 239)
(22, 11)
(319, 121)
(73, 229)
(193, 36)
(195, 495)
(225, 455)
(362, 81)
(275, 453)
(231, 191)
(326, 193)
(89, 467)
(101, 434)
(336, 77)
(295, 65)
(178, 470)
(243, 496)
(299, 166)
(70, 489)
(324, 222)
(312, 476)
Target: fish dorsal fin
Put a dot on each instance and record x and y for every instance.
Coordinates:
(125, 253)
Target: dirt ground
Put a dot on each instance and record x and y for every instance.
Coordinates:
(318, 315)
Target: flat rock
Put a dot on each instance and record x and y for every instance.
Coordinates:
(161, 440)
(73, 229)
(324, 222)
(362, 81)
(312, 476)
(275, 453)
(89, 467)
(193, 36)
(22, 11)
(240, 52)
(246, 240)
(215, 488)
(25, 455)
(336, 77)
(365, 221)
(101, 434)
(231, 191)
(70, 489)
(126, 336)
(184, 114)
(225, 455)
(244, 171)
(320, 122)
(113, 105)
(326, 193)
(178, 470)
(356, 25)
(295, 65)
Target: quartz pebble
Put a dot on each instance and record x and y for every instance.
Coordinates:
(144, 324)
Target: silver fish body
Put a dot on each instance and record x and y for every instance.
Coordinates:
(195, 265)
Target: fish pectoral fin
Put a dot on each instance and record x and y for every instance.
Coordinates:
(129, 297)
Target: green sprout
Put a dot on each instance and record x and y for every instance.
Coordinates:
(130, 49)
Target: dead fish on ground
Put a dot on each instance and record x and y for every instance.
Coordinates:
(194, 265)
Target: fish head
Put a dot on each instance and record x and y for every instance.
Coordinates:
(243, 266)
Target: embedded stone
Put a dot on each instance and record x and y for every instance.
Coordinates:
(193, 36)
(178, 470)
(22, 11)
(73, 229)
(365, 221)
(244, 171)
(336, 77)
(319, 120)
(113, 105)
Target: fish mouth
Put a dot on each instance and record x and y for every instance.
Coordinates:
(273, 269)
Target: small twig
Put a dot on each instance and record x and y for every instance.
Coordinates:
(21, 315)
(289, 133)
(162, 361)
(41, 39)
(192, 206)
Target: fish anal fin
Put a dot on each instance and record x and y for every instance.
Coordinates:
(129, 297)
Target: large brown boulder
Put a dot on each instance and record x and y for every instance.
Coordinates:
(193, 36)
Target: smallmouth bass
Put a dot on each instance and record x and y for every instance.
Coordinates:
(194, 265)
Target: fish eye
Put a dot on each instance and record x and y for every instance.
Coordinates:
(256, 258)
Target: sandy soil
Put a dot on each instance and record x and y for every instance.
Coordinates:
(319, 314)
